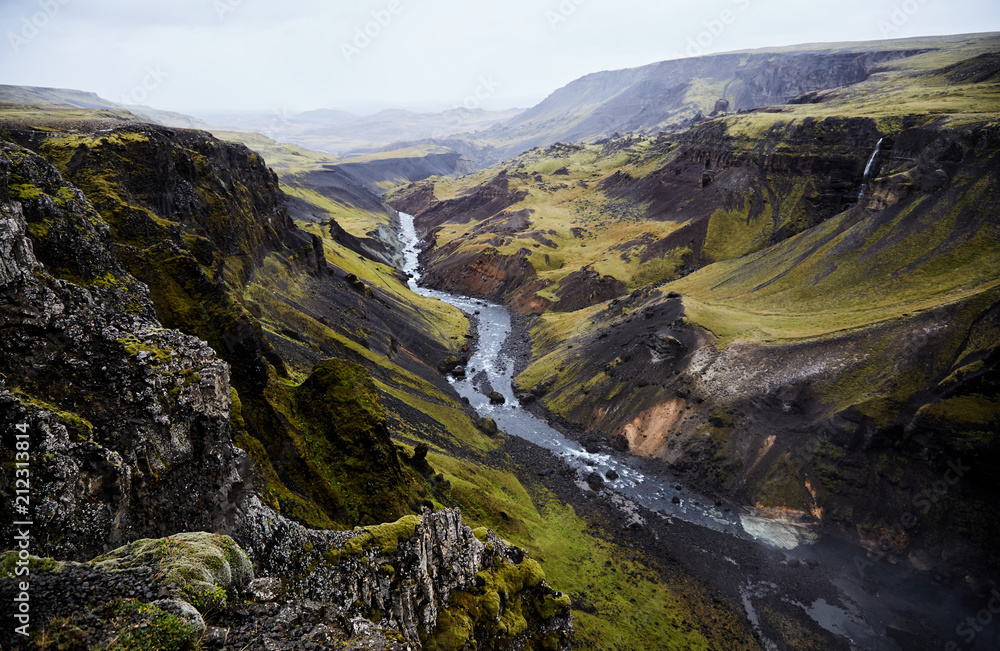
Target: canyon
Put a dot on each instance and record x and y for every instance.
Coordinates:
(749, 300)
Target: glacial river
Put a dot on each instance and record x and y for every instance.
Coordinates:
(871, 596)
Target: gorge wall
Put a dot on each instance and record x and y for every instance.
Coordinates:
(131, 424)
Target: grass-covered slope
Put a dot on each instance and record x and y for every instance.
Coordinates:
(204, 225)
(336, 397)
(586, 222)
(854, 358)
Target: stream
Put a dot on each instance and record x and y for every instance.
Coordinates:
(859, 601)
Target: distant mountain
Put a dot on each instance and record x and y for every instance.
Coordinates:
(341, 132)
(170, 118)
(677, 93)
(38, 96)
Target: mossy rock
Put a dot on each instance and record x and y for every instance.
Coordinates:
(167, 625)
(508, 600)
(383, 538)
(201, 565)
(339, 410)
(8, 564)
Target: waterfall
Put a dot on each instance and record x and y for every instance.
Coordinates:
(868, 168)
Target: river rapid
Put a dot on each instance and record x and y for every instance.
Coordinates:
(858, 600)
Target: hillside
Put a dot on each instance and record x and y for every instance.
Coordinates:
(739, 301)
(676, 94)
(294, 378)
(754, 298)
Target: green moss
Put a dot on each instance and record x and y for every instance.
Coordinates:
(549, 606)
(133, 346)
(209, 601)
(190, 376)
(481, 533)
(8, 564)
(144, 627)
(454, 628)
(201, 565)
(965, 410)
(384, 538)
(24, 191)
(82, 428)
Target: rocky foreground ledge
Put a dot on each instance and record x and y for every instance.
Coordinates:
(420, 582)
(117, 432)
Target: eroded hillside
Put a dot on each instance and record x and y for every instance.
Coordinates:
(742, 302)
(285, 373)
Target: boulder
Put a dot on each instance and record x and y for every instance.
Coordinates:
(595, 481)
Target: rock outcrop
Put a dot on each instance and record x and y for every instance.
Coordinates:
(129, 438)
(819, 418)
(429, 577)
(131, 419)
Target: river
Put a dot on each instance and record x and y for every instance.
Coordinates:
(860, 601)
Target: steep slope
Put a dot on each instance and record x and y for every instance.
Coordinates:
(802, 299)
(680, 92)
(124, 428)
(203, 224)
(855, 358)
(335, 396)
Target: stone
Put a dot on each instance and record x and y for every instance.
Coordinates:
(187, 613)
(215, 636)
(266, 588)
(497, 398)
(595, 481)
(17, 257)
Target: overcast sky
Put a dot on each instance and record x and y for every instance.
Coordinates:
(290, 55)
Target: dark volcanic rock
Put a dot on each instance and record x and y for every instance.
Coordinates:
(585, 288)
(595, 481)
(130, 436)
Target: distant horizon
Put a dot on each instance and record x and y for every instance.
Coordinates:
(200, 56)
(367, 110)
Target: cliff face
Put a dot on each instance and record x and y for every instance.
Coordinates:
(121, 409)
(713, 194)
(204, 225)
(130, 437)
(674, 94)
(856, 358)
